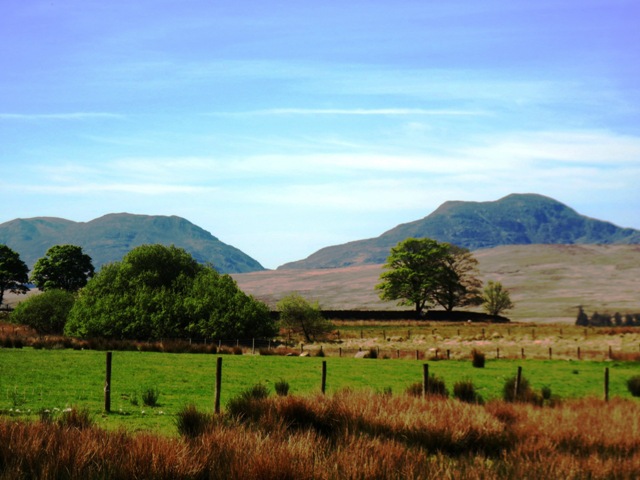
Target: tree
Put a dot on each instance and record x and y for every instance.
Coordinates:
(496, 298)
(301, 316)
(63, 267)
(423, 272)
(458, 284)
(162, 292)
(13, 273)
(45, 313)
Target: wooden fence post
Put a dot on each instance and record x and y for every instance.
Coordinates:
(498, 353)
(107, 384)
(324, 376)
(218, 385)
(610, 352)
(606, 384)
(550, 353)
(522, 352)
(340, 352)
(517, 385)
(578, 353)
(253, 346)
(417, 354)
(425, 379)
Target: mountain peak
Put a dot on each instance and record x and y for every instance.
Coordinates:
(517, 219)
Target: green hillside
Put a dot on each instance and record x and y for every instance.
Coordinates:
(518, 219)
(109, 238)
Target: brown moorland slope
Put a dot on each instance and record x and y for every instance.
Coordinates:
(547, 282)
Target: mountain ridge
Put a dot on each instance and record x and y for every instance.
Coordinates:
(108, 238)
(516, 219)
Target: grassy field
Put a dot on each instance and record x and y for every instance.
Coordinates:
(34, 380)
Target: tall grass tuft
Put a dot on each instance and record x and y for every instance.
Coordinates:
(77, 418)
(282, 388)
(633, 385)
(465, 391)
(477, 358)
(150, 397)
(525, 393)
(191, 423)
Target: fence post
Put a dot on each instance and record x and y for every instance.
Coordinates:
(517, 385)
(417, 354)
(498, 353)
(253, 346)
(522, 352)
(550, 353)
(324, 376)
(425, 379)
(218, 385)
(448, 354)
(578, 353)
(398, 353)
(606, 384)
(610, 352)
(107, 384)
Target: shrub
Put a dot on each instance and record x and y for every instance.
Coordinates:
(414, 390)
(46, 312)
(373, 353)
(477, 358)
(150, 397)
(633, 385)
(191, 423)
(282, 388)
(465, 391)
(546, 392)
(320, 353)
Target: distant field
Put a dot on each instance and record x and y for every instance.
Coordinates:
(547, 282)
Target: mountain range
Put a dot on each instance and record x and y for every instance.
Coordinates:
(517, 219)
(109, 238)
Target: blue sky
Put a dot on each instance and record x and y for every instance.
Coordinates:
(284, 127)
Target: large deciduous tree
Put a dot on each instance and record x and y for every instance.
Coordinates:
(14, 273)
(162, 292)
(63, 267)
(458, 284)
(423, 272)
(415, 268)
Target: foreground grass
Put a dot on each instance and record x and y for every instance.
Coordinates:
(36, 380)
(347, 435)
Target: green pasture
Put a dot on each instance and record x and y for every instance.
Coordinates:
(34, 380)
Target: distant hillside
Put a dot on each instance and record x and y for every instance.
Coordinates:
(109, 238)
(546, 282)
(518, 219)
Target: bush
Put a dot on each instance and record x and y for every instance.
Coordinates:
(465, 391)
(46, 312)
(373, 353)
(477, 358)
(191, 423)
(150, 397)
(633, 385)
(282, 388)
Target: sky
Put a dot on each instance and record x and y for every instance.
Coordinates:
(284, 127)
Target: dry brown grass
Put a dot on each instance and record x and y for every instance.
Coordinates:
(349, 436)
(547, 282)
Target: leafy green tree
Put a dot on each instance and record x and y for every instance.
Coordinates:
(496, 298)
(162, 292)
(63, 267)
(422, 272)
(46, 312)
(458, 283)
(13, 273)
(301, 316)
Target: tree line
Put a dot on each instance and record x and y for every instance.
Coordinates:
(607, 320)
(158, 292)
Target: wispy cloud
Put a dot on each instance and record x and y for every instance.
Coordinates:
(62, 116)
(354, 112)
